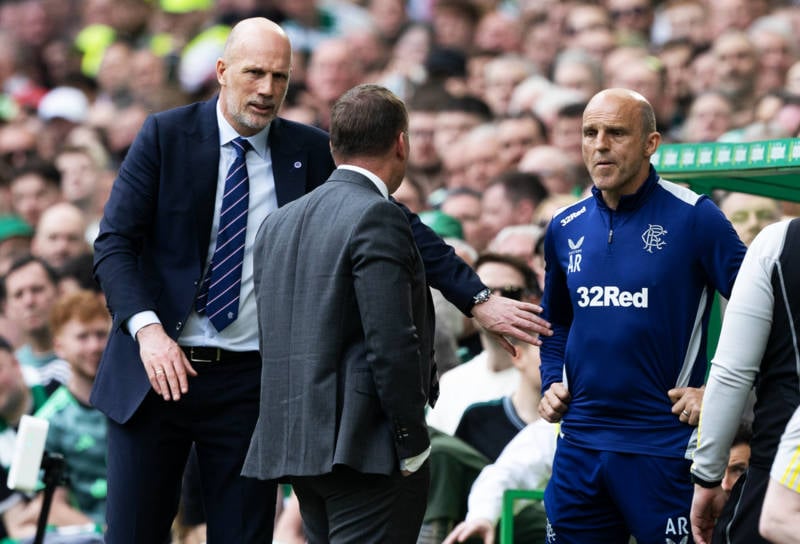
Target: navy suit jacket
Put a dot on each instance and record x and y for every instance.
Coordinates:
(154, 235)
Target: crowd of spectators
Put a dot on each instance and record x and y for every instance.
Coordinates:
(495, 91)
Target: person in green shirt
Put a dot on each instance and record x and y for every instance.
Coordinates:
(80, 323)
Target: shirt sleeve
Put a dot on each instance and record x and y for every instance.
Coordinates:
(786, 467)
(745, 329)
(558, 311)
(525, 463)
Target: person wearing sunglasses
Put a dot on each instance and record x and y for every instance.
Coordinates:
(490, 374)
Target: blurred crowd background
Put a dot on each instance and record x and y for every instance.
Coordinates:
(495, 91)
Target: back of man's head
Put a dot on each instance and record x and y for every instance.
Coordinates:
(366, 121)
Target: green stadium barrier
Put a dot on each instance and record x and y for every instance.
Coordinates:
(769, 168)
(507, 514)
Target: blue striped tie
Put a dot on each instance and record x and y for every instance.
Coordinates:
(219, 295)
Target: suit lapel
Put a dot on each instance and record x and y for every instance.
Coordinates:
(289, 164)
(202, 171)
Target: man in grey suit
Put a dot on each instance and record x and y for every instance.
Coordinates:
(346, 338)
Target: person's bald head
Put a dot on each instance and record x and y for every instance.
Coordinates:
(619, 138)
(60, 234)
(253, 74)
(629, 98)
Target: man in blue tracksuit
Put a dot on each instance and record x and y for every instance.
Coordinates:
(631, 274)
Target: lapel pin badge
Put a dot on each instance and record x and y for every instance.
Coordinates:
(298, 164)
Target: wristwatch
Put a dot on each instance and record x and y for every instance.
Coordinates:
(482, 296)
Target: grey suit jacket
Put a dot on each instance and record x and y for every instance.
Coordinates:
(346, 335)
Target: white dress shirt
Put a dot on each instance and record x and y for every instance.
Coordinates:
(242, 334)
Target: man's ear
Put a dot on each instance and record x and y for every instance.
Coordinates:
(220, 70)
(652, 142)
(401, 145)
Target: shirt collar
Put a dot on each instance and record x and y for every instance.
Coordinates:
(227, 134)
(378, 182)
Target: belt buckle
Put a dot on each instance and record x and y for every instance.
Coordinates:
(196, 359)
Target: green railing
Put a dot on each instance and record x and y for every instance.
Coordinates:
(507, 515)
(768, 168)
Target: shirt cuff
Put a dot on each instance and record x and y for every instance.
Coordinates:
(412, 464)
(140, 320)
(708, 484)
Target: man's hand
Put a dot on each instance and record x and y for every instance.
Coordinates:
(503, 317)
(686, 403)
(706, 507)
(554, 403)
(164, 361)
(480, 527)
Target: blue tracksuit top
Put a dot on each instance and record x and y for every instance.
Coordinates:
(629, 293)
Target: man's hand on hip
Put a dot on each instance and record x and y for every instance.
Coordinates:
(554, 403)
(164, 361)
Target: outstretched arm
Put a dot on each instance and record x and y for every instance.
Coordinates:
(505, 317)
(459, 284)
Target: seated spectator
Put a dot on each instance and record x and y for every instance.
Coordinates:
(738, 459)
(525, 463)
(411, 194)
(34, 187)
(456, 117)
(709, 118)
(15, 240)
(81, 181)
(488, 426)
(557, 170)
(80, 325)
(77, 273)
(16, 399)
(566, 132)
(454, 466)
(60, 234)
(522, 457)
(491, 373)
(501, 75)
(29, 290)
(519, 241)
(749, 213)
(511, 198)
(517, 134)
(481, 148)
(576, 69)
(465, 205)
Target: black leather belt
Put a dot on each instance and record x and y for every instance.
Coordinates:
(199, 354)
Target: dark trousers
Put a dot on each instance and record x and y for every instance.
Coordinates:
(147, 455)
(346, 506)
